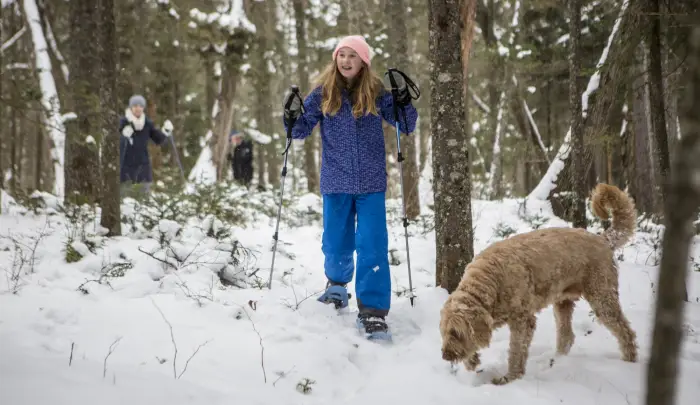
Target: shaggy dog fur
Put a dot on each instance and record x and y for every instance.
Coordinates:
(512, 280)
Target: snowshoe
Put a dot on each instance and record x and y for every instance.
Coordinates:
(375, 327)
(337, 295)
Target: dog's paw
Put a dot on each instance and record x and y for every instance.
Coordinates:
(506, 379)
(500, 380)
(472, 362)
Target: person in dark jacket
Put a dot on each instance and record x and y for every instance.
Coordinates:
(241, 158)
(136, 130)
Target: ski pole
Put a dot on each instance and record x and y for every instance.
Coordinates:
(177, 159)
(400, 159)
(290, 126)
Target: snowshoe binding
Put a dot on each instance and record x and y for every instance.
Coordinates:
(375, 327)
(336, 294)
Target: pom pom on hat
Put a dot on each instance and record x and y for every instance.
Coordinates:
(356, 43)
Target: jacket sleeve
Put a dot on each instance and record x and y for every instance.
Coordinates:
(122, 123)
(406, 121)
(312, 114)
(157, 135)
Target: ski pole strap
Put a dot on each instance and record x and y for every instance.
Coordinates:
(292, 119)
(410, 84)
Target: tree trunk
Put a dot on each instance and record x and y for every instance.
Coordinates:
(656, 96)
(49, 95)
(82, 180)
(2, 109)
(643, 180)
(450, 154)
(681, 207)
(578, 167)
(111, 211)
(223, 121)
(310, 167)
(398, 49)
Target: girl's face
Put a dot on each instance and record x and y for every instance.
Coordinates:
(137, 110)
(348, 62)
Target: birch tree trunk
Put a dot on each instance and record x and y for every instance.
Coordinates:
(111, 210)
(578, 167)
(681, 207)
(450, 154)
(49, 95)
(310, 167)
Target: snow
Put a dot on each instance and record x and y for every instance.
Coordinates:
(235, 19)
(204, 170)
(49, 94)
(549, 180)
(256, 346)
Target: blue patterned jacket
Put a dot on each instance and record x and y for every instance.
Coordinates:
(353, 158)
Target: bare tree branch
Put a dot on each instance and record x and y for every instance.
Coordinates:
(13, 39)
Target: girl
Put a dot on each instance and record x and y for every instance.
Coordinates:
(136, 130)
(349, 101)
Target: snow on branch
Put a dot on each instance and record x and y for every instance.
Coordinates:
(14, 39)
(258, 136)
(234, 19)
(549, 180)
(536, 130)
(49, 94)
(54, 47)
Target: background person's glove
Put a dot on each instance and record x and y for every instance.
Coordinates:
(128, 131)
(168, 127)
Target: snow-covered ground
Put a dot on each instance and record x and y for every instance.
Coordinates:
(66, 338)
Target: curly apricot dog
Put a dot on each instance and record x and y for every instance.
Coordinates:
(512, 280)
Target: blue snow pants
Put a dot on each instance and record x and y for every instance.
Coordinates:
(369, 238)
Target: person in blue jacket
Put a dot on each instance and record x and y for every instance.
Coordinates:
(349, 102)
(136, 130)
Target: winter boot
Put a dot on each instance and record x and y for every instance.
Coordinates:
(336, 294)
(374, 326)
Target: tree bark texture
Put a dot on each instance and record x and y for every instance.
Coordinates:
(111, 211)
(656, 94)
(578, 167)
(310, 167)
(82, 180)
(680, 208)
(643, 181)
(398, 49)
(450, 154)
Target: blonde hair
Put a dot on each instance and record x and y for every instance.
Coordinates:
(366, 88)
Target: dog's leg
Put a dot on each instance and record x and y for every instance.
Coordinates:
(563, 312)
(522, 330)
(606, 306)
(472, 362)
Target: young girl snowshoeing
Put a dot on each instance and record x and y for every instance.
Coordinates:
(350, 101)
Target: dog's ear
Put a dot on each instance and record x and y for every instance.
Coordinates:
(455, 333)
(481, 327)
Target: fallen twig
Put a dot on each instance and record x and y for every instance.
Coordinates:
(112, 347)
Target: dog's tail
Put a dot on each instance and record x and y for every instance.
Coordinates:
(606, 197)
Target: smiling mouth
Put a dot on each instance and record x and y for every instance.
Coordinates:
(347, 67)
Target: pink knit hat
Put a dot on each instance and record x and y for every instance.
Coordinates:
(358, 44)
